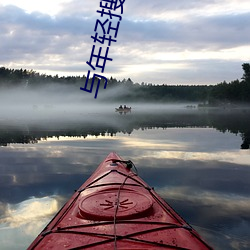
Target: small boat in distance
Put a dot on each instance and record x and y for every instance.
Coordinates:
(116, 209)
(124, 109)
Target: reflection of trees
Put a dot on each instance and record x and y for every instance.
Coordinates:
(236, 122)
(246, 141)
(16, 137)
(222, 120)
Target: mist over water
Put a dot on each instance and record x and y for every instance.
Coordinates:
(47, 102)
(67, 103)
(54, 110)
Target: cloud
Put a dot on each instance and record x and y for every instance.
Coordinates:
(200, 32)
(193, 32)
(182, 10)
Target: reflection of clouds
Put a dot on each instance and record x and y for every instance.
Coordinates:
(2, 209)
(222, 219)
(22, 222)
(228, 203)
(29, 213)
(187, 139)
(151, 144)
(237, 157)
(79, 138)
(147, 145)
(226, 240)
(145, 140)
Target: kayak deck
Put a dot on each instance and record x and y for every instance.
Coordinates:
(116, 209)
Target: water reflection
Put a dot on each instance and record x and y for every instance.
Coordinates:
(110, 123)
(195, 166)
(20, 222)
(31, 210)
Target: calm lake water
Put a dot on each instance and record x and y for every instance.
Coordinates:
(197, 160)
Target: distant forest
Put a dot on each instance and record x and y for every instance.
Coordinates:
(234, 92)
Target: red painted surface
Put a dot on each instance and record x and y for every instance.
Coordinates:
(116, 209)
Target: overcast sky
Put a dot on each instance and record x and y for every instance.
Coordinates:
(159, 41)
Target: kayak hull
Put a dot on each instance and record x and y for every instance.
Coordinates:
(116, 209)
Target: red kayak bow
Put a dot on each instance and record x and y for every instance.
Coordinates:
(116, 209)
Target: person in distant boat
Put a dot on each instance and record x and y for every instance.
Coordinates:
(120, 107)
(125, 106)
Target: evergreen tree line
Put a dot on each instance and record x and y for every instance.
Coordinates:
(237, 91)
